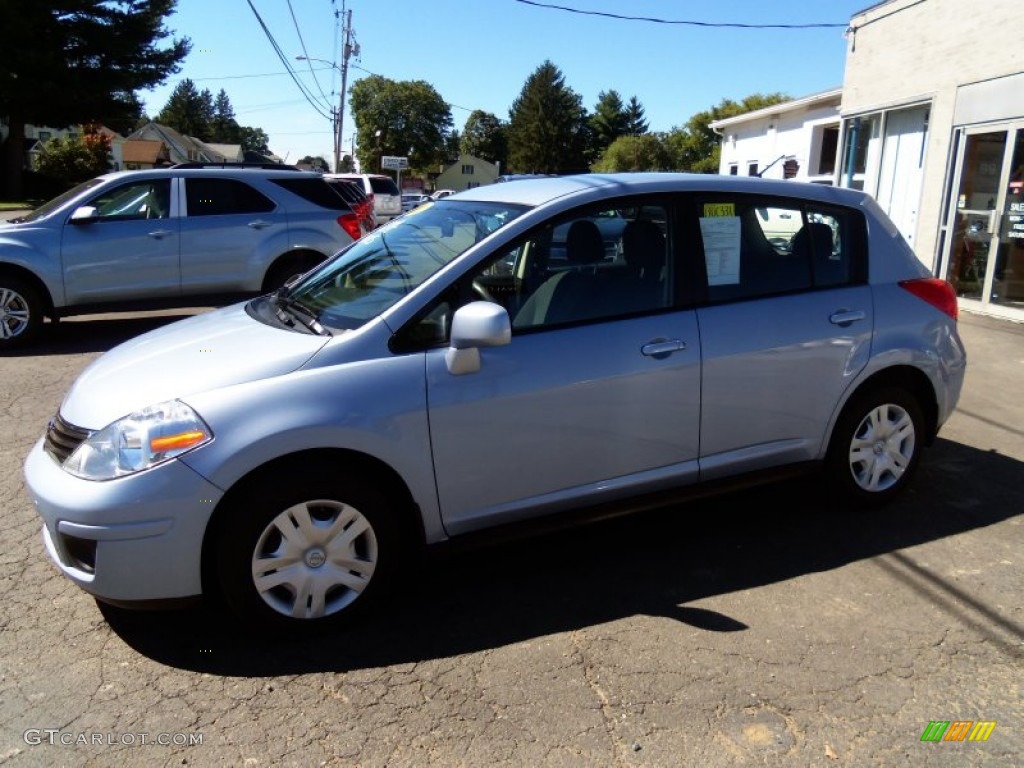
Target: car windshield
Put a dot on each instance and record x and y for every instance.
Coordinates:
(47, 208)
(386, 265)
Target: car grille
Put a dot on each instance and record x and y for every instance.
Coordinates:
(62, 438)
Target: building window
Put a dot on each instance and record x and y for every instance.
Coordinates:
(45, 135)
(752, 169)
(734, 169)
(827, 153)
(467, 170)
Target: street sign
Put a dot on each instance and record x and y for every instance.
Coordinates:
(394, 163)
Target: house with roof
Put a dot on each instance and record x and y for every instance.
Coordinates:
(181, 148)
(465, 173)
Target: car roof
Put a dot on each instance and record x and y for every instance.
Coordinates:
(240, 172)
(538, 191)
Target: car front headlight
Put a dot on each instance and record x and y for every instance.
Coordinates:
(139, 441)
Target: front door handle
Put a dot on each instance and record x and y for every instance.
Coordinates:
(846, 316)
(661, 348)
(160, 234)
(260, 224)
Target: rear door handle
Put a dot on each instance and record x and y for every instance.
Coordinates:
(160, 234)
(846, 316)
(661, 349)
(260, 224)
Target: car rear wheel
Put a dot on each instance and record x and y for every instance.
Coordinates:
(288, 269)
(306, 552)
(876, 445)
(21, 311)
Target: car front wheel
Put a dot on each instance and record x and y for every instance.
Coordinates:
(876, 445)
(308, 553)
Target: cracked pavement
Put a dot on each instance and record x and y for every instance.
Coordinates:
(760, 628)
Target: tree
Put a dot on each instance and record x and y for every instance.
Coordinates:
(696, 147)
(485, 136)
(315, 163)
(636, 125)
(224, 128)
(70, 62)
(72, 160)
(189, 111)
(635, 153)
(608, 121)
(547, 131)
(403, 118)
(253, 139)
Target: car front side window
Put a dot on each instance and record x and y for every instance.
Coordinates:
(133, 201)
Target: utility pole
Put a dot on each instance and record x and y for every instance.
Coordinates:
(346, 51)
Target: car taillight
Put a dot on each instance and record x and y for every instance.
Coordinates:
(350, 223)
(936, 292)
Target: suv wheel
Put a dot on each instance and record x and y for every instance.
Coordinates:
(289, 268)
(21, 311)
(876, 445)
(307, 552)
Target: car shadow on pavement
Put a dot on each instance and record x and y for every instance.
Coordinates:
(94, 334)
(652, 563)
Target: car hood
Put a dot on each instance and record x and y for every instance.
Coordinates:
(204, 352)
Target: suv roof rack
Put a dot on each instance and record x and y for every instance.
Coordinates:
(227, 164)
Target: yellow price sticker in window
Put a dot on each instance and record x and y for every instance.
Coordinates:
(719, 209)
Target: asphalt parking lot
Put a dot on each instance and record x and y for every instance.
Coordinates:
(762, 628)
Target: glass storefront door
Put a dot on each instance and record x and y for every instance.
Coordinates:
(986, 251)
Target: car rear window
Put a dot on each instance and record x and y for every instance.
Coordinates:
(383, 185)
(315, 191)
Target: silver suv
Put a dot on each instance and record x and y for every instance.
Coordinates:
(512, 352)
(165, 236)
(387, 198)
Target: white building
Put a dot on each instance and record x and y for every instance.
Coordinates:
(931, 123)
(795, 140)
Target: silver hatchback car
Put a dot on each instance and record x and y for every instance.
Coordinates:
(515, 351)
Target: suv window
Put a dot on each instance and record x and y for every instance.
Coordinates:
(213, 197)
(316, 191)
(138, 200)
(760, 247)
(383, 185)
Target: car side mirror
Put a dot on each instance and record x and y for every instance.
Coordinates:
(478, 324)
(84, 214)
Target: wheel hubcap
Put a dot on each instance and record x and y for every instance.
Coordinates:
(314, 559)
(882, 447)
(13, 313)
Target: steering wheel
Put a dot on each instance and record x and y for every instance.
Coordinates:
(481, 291)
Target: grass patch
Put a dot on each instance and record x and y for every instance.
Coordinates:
(16, 205)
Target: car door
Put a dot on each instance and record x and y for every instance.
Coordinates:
(786, 329)
(596, 397)
(128, 248)
(225, 221)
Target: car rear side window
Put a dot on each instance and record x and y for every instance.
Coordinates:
(383, 185)
(316, 191)
(757, 246)
(218, 197)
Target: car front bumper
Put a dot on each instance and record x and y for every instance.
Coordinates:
(134, 538)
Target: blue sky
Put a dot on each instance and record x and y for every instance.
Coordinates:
(478, 54)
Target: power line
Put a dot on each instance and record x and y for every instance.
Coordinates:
(305, 53)
(287, 65)
(733, 25)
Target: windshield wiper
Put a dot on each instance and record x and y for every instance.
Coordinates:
(286, 302)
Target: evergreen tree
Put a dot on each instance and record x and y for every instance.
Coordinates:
(635, 123)
(608, 121)
(224, 128)
(68, 63)
(189, 111)
(548, 130)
